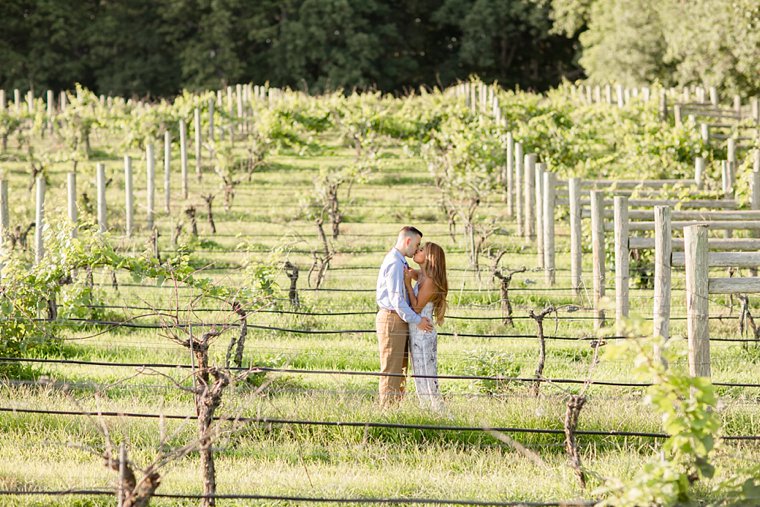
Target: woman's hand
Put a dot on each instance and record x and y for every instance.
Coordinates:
(409, 275)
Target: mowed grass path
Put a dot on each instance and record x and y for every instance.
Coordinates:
(266, 222)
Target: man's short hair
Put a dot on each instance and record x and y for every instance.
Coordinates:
(409, 231)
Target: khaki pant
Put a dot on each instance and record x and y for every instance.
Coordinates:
(393, 343)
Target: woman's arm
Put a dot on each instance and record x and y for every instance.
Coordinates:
(408, 276)
(424, 295)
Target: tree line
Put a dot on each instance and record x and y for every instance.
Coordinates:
(147, 48)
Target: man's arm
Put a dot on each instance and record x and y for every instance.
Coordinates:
(394, 280)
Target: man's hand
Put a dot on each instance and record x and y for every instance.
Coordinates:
(425, 325)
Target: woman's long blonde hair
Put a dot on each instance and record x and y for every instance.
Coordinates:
(435, 269)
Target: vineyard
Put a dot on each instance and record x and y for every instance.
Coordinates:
(188, 297)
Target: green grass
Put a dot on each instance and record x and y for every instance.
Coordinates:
(266, 223)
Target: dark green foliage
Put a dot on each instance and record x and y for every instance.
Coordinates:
(159, 48)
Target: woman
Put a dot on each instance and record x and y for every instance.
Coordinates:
(428, 298)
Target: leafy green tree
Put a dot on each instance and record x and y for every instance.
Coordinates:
(624, 43)
(208, 39)
(42, 43)
(508, 41)
(128, 51)
(714, 42)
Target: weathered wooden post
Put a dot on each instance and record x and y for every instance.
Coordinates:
(755, 109)
(550, 199)
(714, 96)
(239, 99)
(597, 246)
(167, 171)
(183, 155)
(3, 221)
(39, 220)
(726, 179)
(510, 174)
(2, 100)
(100, 182)
(151, 194)
(608, 93)
(662, 271)
(539, 225)
(211, 120)
(704, 131)
(731, 151)
(622, 268)
(4, 217)
(197, 128)
(619, 94)
(50, 101)
(695, 250)
(519, 193)
(663, 104)
(677, 114)
(699, 171)
(738, 107)
(529, 228)
(128, 195)
(576, 248)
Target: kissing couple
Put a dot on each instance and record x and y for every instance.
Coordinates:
(411, 302)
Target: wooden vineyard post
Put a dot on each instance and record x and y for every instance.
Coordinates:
(529, 228)
(714, 96)
(151, 194)
(198, 135)
(548, 229)
(622, 267)
(128, 195)
(239, 99)
(50, 101)
(510, 174)
(518, 187)
(695, 250)
(4, 220)
(704, 130)
(539, 204)
(731, 151)
(677, 114)
(211, 120)
(662, 272)
(576, 249)
(755, 195)
(597, 247)
(724, 179)
(100, 182)
(183, 155)
(699, 171)
(167, 171)
(39, 220)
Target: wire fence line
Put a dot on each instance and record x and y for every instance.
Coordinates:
(264, 369)
(374, 312)
(361, 424)
(134, 325)
(305, 499)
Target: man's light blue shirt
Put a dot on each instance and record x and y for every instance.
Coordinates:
(391, 291)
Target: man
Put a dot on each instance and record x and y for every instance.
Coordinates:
(395, 315)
